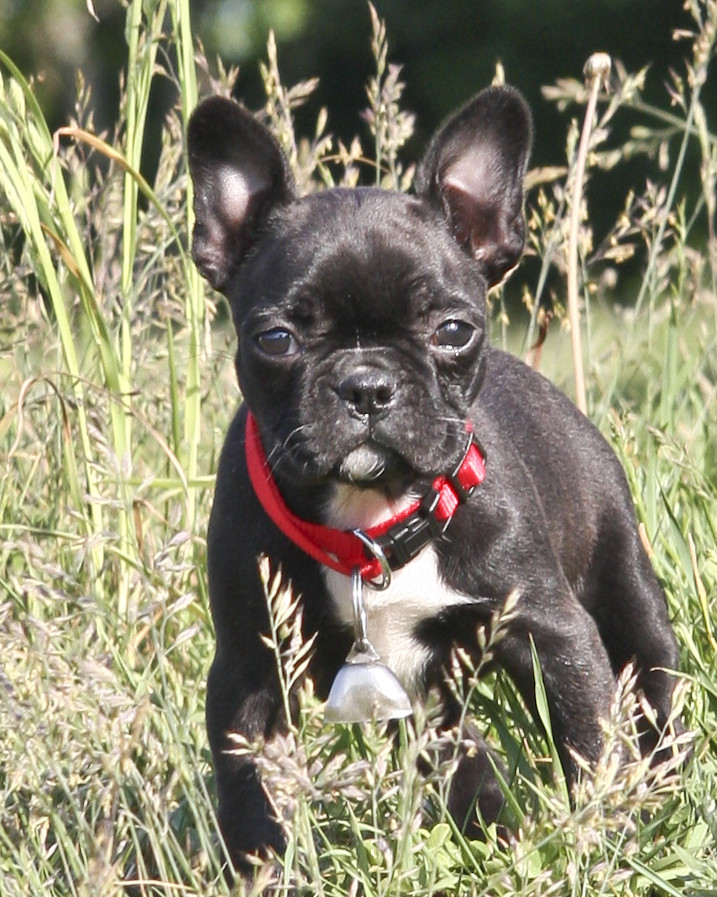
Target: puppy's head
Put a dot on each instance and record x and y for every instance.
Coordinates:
(360, 313)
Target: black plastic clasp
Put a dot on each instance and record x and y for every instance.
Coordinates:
(404, 540)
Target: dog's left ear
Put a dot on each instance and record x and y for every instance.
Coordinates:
(473, 173)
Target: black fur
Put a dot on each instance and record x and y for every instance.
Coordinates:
(362, 353)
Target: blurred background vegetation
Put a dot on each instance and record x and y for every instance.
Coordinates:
(449, 49)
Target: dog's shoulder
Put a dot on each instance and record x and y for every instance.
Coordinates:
(549, 457)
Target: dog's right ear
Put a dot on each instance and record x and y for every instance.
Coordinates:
(239, 174)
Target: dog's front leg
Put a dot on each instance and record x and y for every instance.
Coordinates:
(475, 785)
(575, 668)
(235, 705)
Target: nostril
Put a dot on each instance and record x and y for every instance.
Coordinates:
(352, 394)
(384, 394)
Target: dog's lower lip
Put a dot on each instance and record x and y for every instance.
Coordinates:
(365, 464)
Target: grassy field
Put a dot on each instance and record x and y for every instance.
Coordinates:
(117, 386)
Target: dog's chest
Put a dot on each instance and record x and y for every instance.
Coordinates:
(417, 593)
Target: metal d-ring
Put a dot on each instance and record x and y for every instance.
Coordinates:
(377, 552)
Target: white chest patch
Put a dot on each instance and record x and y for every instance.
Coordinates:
(416, 593)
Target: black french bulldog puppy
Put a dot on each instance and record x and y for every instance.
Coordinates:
(365, 370)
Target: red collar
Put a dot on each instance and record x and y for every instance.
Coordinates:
(394, 541)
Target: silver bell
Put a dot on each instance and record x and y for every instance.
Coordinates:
(364, 688)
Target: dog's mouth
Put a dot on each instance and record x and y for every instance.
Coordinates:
(322, 452)
(371, 464)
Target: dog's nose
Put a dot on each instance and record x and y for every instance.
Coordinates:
(367, 392)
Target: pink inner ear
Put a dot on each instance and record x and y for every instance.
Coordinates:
(474, 188)
(478, 173)
(476, 223)
(235, 191)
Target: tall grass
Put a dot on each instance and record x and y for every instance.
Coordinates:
(117, 385)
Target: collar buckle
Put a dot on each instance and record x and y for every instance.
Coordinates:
(407, 538)
(404, 540)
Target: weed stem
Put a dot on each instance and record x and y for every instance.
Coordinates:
(596, 71)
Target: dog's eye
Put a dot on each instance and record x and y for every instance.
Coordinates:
(453, 335)
(277, 342)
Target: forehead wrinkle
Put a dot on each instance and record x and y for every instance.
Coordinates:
(370, 248)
